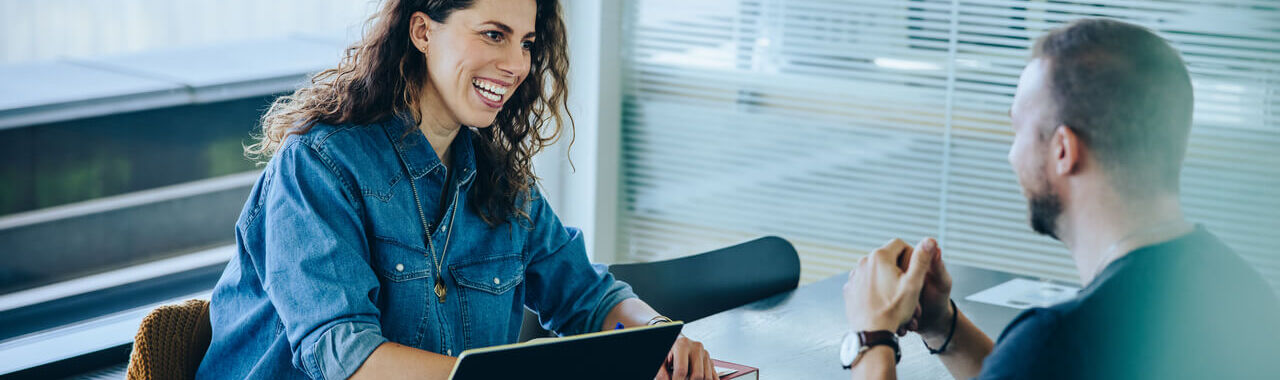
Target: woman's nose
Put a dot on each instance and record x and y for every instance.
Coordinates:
(514, 61)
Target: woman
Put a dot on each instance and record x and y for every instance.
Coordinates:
(397, 222)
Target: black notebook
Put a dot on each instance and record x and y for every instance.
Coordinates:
(633, 353)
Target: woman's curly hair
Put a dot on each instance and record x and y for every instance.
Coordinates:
(382, 76)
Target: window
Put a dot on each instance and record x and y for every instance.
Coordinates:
(121, 132)
(841, 124)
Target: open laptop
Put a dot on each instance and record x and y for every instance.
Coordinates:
(632, 353)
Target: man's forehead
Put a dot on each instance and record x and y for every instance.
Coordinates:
(1030, 83)
(1032, 75)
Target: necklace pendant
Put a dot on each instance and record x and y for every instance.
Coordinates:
(440, 289)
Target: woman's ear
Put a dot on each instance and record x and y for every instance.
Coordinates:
(419, 30)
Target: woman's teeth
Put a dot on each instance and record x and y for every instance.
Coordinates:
(490, 91)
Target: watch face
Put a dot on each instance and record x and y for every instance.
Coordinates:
(849, 349)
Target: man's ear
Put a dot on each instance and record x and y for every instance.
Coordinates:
(419, 30)
(1066, 149)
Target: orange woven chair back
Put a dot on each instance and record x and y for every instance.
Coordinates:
(171, 342)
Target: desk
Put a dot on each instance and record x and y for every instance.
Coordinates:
(796, 335)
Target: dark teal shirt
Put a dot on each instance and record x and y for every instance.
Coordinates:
(1189, 308)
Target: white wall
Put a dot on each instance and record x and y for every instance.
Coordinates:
(585, 195)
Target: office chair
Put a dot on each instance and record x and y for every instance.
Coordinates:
(171, 342)
(689, 288)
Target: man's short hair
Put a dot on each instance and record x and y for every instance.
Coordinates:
(1126, 93)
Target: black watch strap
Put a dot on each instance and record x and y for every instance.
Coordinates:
(868, 339)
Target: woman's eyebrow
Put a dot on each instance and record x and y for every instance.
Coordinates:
(505, 28)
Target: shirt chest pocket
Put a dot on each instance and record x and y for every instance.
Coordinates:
(404, 276)
(488, 288)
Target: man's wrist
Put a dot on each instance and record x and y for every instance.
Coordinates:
(858, 345)
(936, 348)
(937, 331)
(934, 340)
(874, 326)
(875, 323)
(883, 350)
(876, 354)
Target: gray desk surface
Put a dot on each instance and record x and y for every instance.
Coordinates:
(796, 335)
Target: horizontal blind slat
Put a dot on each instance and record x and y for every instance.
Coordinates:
(827, 123)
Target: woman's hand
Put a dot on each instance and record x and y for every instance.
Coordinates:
(687, 360)
(879, 295)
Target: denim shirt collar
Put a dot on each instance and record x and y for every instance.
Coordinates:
(420, 158)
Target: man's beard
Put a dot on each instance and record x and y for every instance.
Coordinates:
(1044, 207)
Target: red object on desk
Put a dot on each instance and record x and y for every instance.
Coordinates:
(743, 372)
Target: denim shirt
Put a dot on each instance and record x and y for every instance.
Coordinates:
(333, 260)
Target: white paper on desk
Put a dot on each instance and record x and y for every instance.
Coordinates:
(1021, 293)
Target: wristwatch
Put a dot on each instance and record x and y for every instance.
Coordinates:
(855, 344)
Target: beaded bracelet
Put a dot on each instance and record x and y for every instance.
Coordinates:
(955, 315)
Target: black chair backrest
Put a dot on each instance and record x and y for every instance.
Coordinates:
(692, 287)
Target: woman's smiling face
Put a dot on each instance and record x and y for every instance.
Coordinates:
(476, 59)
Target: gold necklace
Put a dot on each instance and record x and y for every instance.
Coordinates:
(440, 289)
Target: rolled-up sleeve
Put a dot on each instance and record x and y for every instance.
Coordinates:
(570, 295)
(318, 276)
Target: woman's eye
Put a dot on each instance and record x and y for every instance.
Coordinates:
(527, 45)
(493, 35)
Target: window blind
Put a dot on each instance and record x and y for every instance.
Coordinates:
(841, 124)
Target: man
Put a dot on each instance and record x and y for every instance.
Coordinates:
(1100, 120)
